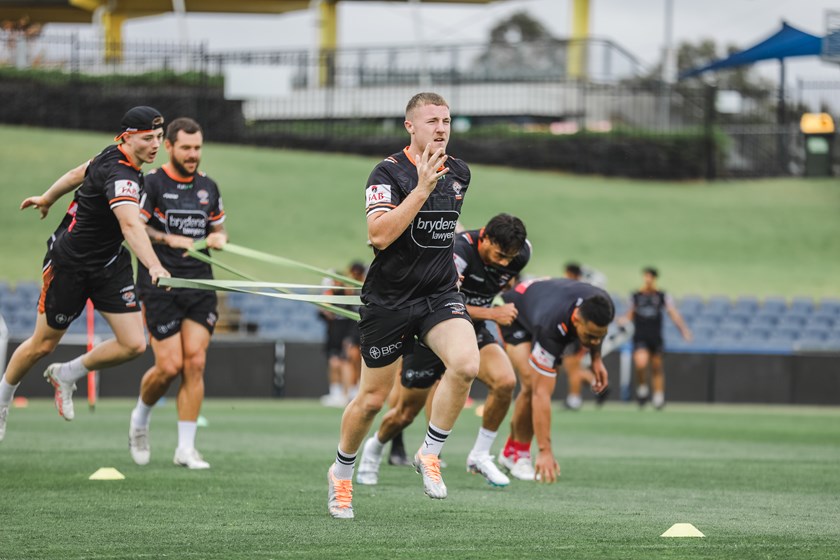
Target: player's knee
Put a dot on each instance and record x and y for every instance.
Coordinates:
(504, 388)
(194, 364)
(405, 416)
(371, 403)
(133, 347)
(465, 370)
(43, 347)
(170, 367)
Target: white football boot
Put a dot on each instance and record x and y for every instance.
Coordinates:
(138, 444)
(429, 466)
(190, 458)
(4, 415)
(483, 464)
(63, 392)
(339, 496)
(523, 469)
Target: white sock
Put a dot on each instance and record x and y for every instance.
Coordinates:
(642, 391)
(7, 392)
(377, 447)
(72, 371)
(336, 389)
(186, 434)
(574, 401)
(344, 464)
(658, 398)
(434, 440)
(483, 442)
(141, 413)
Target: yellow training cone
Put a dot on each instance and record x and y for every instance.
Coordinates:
(107, 473)
(682, 530)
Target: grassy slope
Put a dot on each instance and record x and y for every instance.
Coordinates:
(760, 482)
(761, 237)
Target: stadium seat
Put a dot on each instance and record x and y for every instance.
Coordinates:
(773, 304)
(793, 319)
(690, 304)
(763, 321)
(719, 305)
(745, 305)
(803, 305)
(734, 322)
(827, 306)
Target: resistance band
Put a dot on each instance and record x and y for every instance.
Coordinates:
(281, 261)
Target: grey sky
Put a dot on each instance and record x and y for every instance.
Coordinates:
(638, 25)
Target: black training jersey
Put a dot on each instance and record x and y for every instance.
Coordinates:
(93, 238)
(483, 282)
(186, 206)
(545, 310)
(647, 312)
(418, 264)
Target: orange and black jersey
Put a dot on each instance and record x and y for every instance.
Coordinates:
(483, 282)
(187, 206)
(545, 309)
(93, 238)
(647, 313)
(418, 264)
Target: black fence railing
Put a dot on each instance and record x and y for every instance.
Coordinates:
(507, 97)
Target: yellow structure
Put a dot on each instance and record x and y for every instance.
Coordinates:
(115, 12)
(816, 123)
(577, 59)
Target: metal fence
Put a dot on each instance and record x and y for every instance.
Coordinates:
(313, 99)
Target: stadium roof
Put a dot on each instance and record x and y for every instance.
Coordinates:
(785, 43)
(81, 11)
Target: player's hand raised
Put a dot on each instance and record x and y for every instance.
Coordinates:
(430, 168)
(40, 202)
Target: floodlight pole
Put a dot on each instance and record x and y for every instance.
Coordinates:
(781, 118)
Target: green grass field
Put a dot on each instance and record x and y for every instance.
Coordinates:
(747, 237)
(759, 482)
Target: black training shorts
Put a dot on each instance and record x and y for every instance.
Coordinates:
(421, 368)
(387, 334)
(66, 291)
(652, 343)
(515, 333)
(164, 311)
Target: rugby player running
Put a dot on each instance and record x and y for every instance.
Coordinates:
(413, 201)
(85, 260)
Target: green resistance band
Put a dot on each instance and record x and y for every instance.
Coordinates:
(198, 255)
(248, 288)
(281, 261)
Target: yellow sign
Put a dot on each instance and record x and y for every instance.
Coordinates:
(816, 123)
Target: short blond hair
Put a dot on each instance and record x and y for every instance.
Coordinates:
(424, 98)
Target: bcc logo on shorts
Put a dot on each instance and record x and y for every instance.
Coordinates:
(377, 353)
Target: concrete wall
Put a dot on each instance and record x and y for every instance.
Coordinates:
(261, 368)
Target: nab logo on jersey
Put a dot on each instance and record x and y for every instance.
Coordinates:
(126, 188)
(376, 194)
